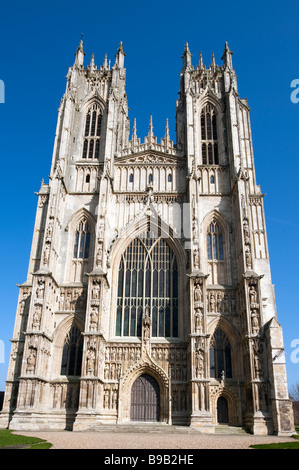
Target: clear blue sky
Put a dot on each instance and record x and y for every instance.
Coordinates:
(38, 42)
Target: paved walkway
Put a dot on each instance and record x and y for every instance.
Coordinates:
(133, 440)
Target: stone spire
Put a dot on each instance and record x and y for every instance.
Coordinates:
(92, 66)
(213, 64)
(105, 65)
(80, 53)
(186, 57)
(227, 57)
(120, 55)
(200, 63)
(151, 128)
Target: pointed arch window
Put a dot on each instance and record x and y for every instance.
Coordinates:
(215, 242)
(216, 254)
(82, 240)
(147, 282)
(71, 361)
(92, 132)
(209, 137)
(220, 355)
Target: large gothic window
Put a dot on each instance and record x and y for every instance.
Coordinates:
(209, 138)
(147, 283)
(72, 353)
(220, 355)
(92, 132)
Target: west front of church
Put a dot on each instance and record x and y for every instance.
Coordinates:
(149, 296)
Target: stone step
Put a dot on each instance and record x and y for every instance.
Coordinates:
(227, 429)
(152, 428)
(142, 428)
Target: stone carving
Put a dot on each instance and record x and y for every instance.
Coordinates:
(258, 351)
(220, 301)
(254, 307)
(94, 318)
(40, 288)
(36, 317)
(199, 358)
(95, 292)
(31, 361)
(72, 299)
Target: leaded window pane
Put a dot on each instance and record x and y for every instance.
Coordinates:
(92, 132)
(71, 361)
(209, 148)
(220, 355)
(149, 269)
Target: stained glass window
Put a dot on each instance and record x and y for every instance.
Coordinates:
(147, 280)
(220, 355)
(72, 353)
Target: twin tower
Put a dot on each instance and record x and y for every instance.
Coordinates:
(149, 294)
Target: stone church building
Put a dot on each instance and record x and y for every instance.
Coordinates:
(149, 294)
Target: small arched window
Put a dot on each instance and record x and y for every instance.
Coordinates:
(71, 361)
(82, 240)
(150, 178)
(209, 138)
(220, 355)
(92, 132)
(131, 178)
(169, 178)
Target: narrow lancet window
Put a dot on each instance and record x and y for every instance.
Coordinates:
(82, 241)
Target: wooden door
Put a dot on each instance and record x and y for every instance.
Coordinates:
(145, 399)
(222, 410)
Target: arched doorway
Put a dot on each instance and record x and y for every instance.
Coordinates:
(222, 411)
(145, 399)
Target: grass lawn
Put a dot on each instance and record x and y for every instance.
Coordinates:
(25, 442)
(280, 445)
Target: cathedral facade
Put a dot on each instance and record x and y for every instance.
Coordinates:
(149, 294)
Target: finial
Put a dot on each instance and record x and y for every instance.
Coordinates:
(227, 56)
(105, 65)
(120, 55)
(213, 64)
(92, 64)
(80, 53)
(150, 129)
(186, 56)
(200, 61)
(167, 129)
(120, 48)
(134, 131)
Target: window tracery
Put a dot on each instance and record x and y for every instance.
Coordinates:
(92, 132)
(220, 355)
(209, 138)
(215, 253)
(82, 241)
(147, 283)
(72, 353)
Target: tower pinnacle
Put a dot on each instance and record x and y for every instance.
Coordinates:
(227, 56)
